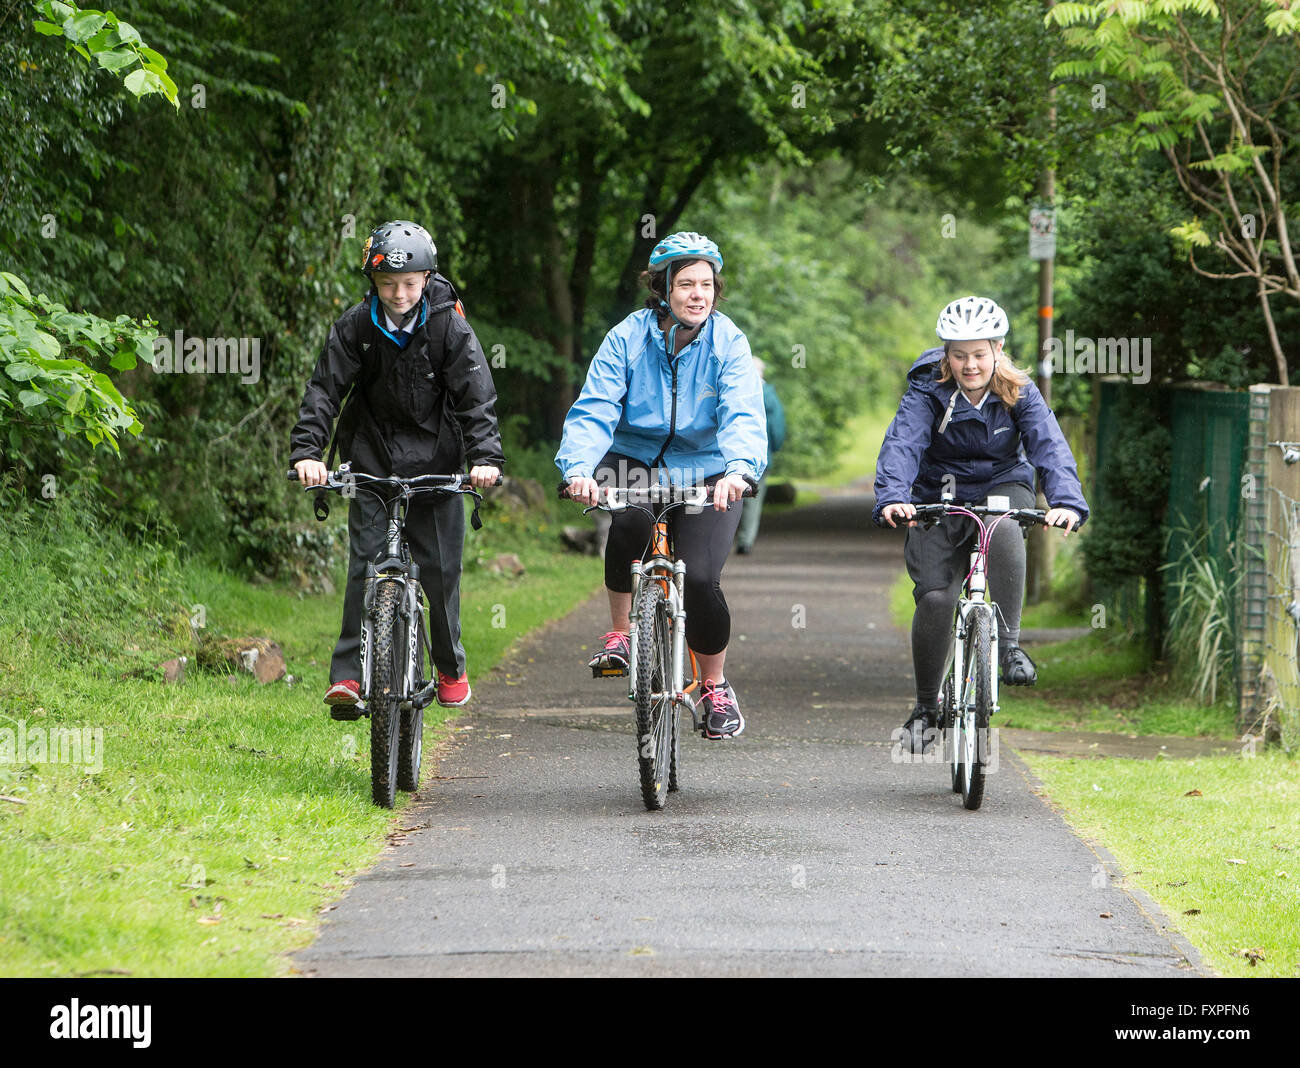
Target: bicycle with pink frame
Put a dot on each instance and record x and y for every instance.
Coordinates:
(968, 699)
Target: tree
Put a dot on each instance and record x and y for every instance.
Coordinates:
(1213, 87)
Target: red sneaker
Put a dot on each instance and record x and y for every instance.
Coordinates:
(343, 698)
(347, 692)
(453, 693)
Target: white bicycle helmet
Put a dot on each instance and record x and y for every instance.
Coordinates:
(972, 319)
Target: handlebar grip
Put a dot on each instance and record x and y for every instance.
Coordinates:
(293, 474)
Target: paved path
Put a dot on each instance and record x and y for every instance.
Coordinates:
(800, 848)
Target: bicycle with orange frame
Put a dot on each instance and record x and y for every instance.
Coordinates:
(657, 682)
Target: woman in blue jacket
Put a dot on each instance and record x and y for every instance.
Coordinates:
(974, 424)
(673, 388)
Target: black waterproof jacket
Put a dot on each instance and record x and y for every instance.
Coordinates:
(426, 409)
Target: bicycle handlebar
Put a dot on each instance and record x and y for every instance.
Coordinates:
(616, 498)
(1024, 516)
(458, 483)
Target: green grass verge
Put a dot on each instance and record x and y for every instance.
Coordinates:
(858, 461)
(1223, 863)
(1093, 683)
(226, 814)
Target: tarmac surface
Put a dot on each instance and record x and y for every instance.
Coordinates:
(803, 847)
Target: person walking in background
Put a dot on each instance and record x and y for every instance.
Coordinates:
(753, 506)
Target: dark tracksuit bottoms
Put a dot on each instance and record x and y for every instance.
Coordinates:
(435, 532)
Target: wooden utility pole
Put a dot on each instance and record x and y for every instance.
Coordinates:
(1042, 547)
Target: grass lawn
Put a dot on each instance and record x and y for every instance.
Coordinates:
(225, 814)
(1098, 682)
(1216, 841)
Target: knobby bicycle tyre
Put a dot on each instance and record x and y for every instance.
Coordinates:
(385, 689)
(977, 715)
(653, 676)
(410, 739)
(675, 760)
(948, 729)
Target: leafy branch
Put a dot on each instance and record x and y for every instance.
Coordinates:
(101, 38)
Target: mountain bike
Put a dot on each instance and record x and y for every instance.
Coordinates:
(397, 679)
(968, 697)
(657, 685)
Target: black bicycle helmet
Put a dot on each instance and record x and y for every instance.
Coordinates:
(399, 246)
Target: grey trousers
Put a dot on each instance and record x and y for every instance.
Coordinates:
(435, 532)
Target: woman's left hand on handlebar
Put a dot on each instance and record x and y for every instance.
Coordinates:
(727, 489)
(1062, 517)
(483, 476)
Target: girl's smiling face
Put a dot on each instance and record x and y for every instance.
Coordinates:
(971, 364)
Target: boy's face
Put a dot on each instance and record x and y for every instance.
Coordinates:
(400, 292)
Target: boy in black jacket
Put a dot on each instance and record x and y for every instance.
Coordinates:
(421, 402)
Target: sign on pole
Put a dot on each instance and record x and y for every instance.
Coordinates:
(1042, 233)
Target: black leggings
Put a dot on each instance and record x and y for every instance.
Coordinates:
(701, 539)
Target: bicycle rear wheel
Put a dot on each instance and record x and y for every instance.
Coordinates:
(385, 688)
(410, 740)
(654, 706)
(976, 710)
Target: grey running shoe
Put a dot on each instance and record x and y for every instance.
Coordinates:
(722, 718)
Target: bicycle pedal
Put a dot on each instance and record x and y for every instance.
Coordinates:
(348, 713)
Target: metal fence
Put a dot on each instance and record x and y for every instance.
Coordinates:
(1231, 486)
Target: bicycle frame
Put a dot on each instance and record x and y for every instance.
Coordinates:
(671, 576)
(661, 567)
(973, 599)
(396, 565)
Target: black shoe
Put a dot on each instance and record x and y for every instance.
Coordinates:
(744, 550)
(1017, 668)
(615, 658)
(919, 730)
(722, 718)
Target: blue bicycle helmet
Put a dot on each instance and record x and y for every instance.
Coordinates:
(685, 245)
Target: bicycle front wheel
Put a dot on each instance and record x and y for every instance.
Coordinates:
(654, 705)
(410, 741)
(385, 689)
(976, 709)
(948, 730)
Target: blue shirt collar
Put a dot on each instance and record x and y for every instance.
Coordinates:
(382, 327)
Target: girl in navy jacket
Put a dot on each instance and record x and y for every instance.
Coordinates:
(974, 424)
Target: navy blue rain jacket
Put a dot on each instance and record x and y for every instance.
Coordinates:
(980, 448)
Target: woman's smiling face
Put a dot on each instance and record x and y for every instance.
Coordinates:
(691, 296)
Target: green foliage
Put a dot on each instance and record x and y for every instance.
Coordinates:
(1123, 542)
(44, 387)
(1202, 633)
(102, 39)
(959, 94)
(837, 288)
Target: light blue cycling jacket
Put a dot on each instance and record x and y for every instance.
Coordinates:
(702, 412)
